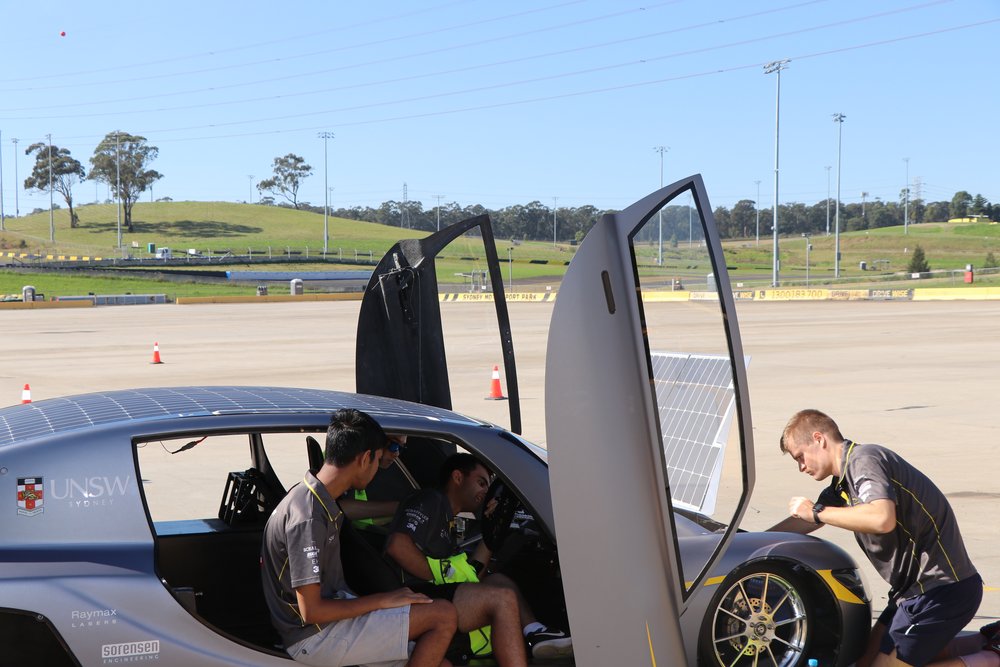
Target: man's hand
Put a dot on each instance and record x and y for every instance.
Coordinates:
(400, 598)
(877, 517)
(491, 507)
(801, 508)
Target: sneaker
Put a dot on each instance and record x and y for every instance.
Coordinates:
(546, 644)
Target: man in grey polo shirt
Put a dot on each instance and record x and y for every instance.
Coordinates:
(908, 530)
(320, 620)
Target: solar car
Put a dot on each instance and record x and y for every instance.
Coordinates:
(134, 518)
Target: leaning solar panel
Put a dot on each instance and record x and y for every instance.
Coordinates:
(694, 394)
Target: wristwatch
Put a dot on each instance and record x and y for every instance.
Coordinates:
(817, 508)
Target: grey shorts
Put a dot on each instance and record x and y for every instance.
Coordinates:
(379, 638)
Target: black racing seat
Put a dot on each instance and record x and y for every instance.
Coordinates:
(315, 453)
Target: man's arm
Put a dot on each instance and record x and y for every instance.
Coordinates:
(877, 517)
(313, 608)
(402, 549)
(792, 524)
(367, 509)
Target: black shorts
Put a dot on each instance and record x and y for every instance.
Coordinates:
(921, 626)
(435, 591)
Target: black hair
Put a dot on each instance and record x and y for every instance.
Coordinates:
(465, 463)
(352, 432)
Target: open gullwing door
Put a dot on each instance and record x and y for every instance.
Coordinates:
(626, 436)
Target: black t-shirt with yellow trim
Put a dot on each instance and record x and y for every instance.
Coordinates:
(926, 549)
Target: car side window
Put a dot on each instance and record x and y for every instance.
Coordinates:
(184, 478)
(288, 454)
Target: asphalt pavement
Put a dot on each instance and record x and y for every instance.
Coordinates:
(917, 377)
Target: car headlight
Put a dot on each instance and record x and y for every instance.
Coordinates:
(853, 580)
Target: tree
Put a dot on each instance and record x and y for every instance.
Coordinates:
(918, 263)
(123, 156)
(990, 262)
(288, 174)
(66, 172)
(980, 205)
(744, 218)
(937, 211)
(960, 204)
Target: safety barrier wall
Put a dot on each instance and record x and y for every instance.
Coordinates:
(768, 295)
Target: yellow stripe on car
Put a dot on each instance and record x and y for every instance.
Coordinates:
(842, 592)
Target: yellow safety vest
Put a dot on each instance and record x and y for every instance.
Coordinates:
(362, 495)
(458, 570)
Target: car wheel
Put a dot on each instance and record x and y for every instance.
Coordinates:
(760, 616)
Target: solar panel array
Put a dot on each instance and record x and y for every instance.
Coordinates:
(30, 420)
(695, 398)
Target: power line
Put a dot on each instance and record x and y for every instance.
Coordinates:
(508, 103)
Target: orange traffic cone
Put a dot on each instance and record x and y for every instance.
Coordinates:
(156, 354)
(26, 394)
(496, 394)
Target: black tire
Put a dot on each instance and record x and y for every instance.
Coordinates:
(763, 611)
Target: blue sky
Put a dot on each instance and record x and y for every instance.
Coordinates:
(504, 103)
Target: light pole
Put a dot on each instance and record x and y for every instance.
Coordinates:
(906, 201)
(510, 270)
(437, 210)
(555, 206)
(52, 220)
(690, 242)
(838, 118)
(659, 254)
(17, 207)
(118, 188)
(1, 185)
(326, 193)
(828, 200)
(770, 68)
(808, 248)
(756, 205)
(250, 176)
(864, 198)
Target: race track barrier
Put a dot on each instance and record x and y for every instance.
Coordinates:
(275, 298)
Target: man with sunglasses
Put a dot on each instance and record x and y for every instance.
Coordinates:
(362, 511)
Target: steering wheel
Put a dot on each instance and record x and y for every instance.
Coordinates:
(498, 512)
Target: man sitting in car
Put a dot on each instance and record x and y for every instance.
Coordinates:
(422, 542)
(320, 620)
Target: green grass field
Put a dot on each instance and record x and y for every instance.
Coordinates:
(214, 228)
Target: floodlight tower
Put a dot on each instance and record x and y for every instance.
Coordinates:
(771, 68)
(827, 200)
(838, 118)
(756, 205)
(906, 200)
(118, 187)
(52, 220)
(1, 188)
(659, 255)
(17, 206)
(326, 192)
(555, 206)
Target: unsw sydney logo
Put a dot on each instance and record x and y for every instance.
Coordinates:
(30, 497)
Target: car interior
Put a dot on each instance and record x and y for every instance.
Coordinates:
(207, 546)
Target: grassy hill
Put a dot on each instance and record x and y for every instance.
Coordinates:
(217, 227)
